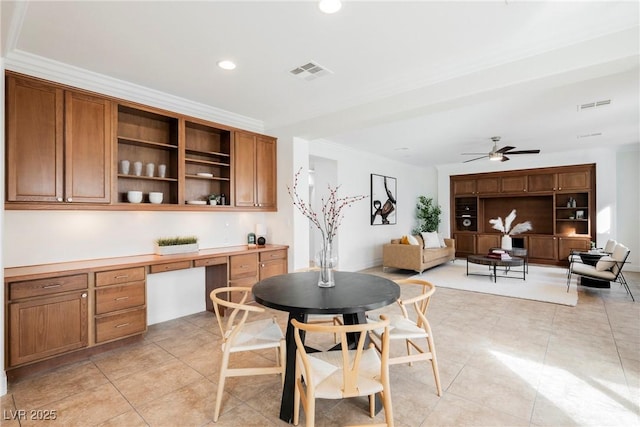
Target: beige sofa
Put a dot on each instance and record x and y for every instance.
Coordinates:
(414, 257)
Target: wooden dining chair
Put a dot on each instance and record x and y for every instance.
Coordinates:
(413, 329)
(343, 373)
(240, 335)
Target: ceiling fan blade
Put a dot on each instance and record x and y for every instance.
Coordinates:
(474, 154)
(525, 152)
(504, 158)
(477, 158)
(505, 149)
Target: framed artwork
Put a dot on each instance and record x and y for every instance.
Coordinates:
(383, 200)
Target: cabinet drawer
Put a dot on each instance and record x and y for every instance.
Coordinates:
(119, 297)
(279, 254)
(120, 325)
(210, 261)
(243, 266)
(115, 277)
(170, 266)
(52, 285)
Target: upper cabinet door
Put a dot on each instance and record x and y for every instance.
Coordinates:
(514, 184)
(87, 148)
(542, 182)
(244, 169)
(34, 141)
(464, 187)
(255, 171)
(579, 180)
(487, 185)
(266, 172)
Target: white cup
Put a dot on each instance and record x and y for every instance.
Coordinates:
(155, 197)
(150, 168)
(137, 168)
(124, 167)
(162, 170)
(134, 196)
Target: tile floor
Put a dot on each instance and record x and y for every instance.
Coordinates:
(503, 362)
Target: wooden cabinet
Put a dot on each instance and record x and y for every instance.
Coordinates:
(567, 244)
(207, 162)
(120, 300)
(465, 244)
(484, 242)
(558, 201)
(272, 263)
(46, 317)
(487, 185)
(541, 182)
(574, 180)
(254, 171)
(243, 267)
(147, 137)
(463, 187)
(513, 184)
(58, 144)
(542, 248)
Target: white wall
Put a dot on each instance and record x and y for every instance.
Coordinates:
(359, 243)
(609, 187)
(628, 196)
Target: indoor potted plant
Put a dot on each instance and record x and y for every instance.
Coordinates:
(176, 245)
(428, 215)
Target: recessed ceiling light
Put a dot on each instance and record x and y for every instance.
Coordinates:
(330, 6)
(226, 65)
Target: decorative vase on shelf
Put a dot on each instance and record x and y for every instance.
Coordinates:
(326, 261)
(506, 242)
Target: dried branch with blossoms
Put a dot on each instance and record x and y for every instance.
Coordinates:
(332, 207)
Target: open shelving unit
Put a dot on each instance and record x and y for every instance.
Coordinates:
(147, 137)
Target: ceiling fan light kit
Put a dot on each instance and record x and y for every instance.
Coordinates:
(499, 154)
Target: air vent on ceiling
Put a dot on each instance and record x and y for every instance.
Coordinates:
(589, 135)
(310, 71)
(595, 104)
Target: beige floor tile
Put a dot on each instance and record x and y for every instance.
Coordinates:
(191, 405)
(456, 411)
(128, 419)
(153, 383)
(131, 360)
(48, 388)
(77, 409)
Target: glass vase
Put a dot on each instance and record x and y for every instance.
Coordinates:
(326, 261)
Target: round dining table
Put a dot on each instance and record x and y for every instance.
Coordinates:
(299, 294)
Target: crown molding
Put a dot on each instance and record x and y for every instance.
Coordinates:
(37, 66)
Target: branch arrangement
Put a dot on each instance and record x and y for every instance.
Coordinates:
(332, 207)
(506, 226)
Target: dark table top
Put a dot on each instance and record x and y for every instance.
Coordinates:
(299, 292)
(485, 260)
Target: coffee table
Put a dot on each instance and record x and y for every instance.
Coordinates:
(493, 263)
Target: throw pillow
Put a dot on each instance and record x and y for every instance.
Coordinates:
(431, 240)
(442, 243)
(605, 263)
(413, 241)
(404, 240)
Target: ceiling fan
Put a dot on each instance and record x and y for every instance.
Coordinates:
(499, 154)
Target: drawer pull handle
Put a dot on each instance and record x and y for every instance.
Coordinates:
(57, 285)
(124, 276)
(122, 325)
(121, 298)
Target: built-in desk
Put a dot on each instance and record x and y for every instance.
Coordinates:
(66, 311)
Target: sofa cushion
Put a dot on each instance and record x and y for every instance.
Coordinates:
(412, 240)
(431, 240)
(605, 263)
(429, 255)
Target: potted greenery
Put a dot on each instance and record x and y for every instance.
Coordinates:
(428, 215)
(176, 245)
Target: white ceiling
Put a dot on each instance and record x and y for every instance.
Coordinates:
(418, 81)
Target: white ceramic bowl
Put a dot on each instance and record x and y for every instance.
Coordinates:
(155, 197)
(134, 196)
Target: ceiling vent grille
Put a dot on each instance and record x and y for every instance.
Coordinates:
(589, 135)
(310, 71)
(594, 104)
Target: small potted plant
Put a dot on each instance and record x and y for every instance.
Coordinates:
(176, 245)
